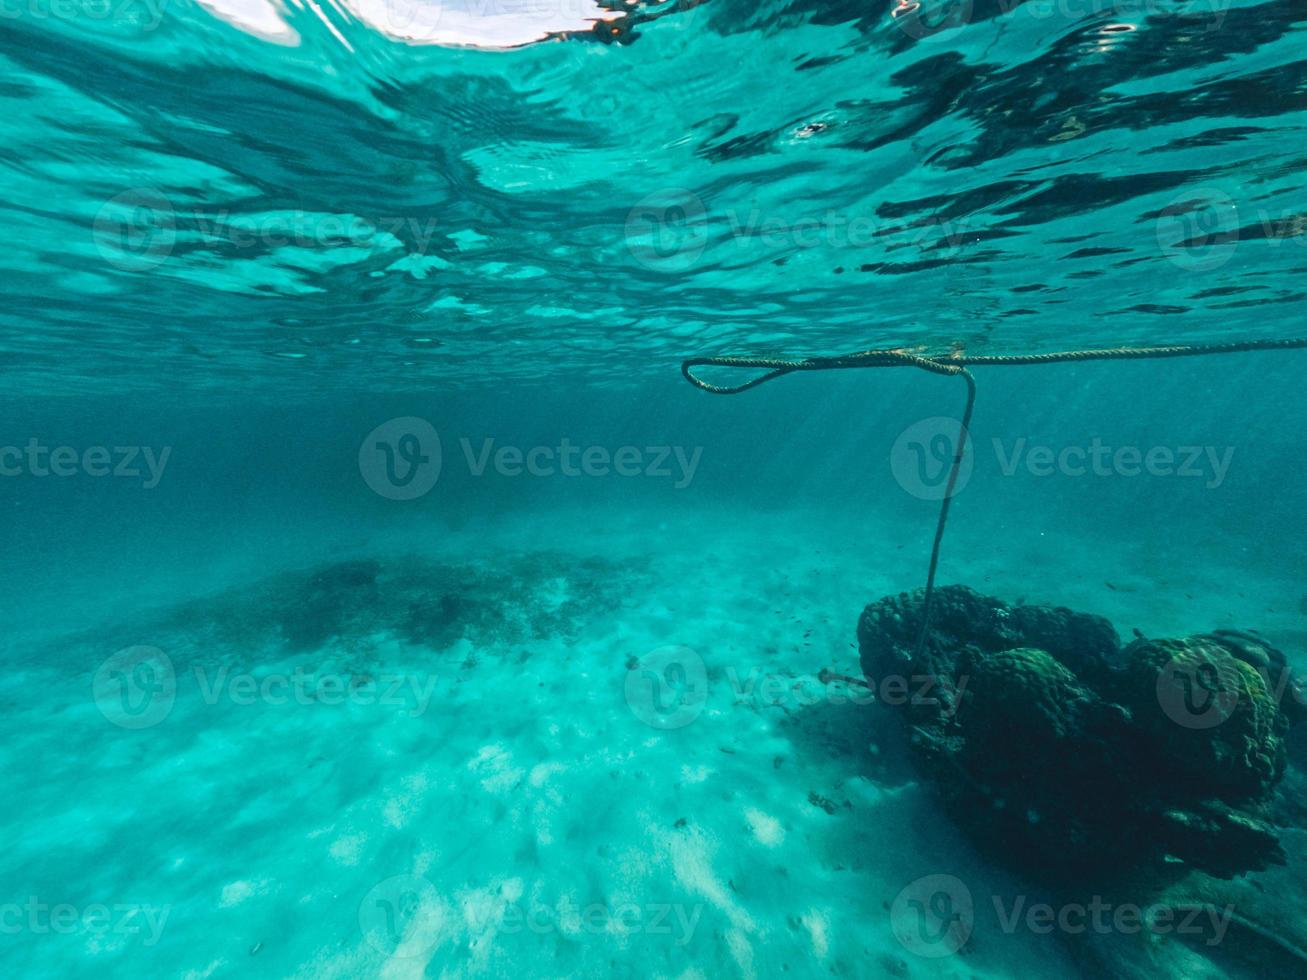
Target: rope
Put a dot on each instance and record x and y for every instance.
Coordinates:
(950, 365)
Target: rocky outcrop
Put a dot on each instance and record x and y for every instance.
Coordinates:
(1070, 755)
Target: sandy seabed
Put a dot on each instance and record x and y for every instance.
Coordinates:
(603, 754)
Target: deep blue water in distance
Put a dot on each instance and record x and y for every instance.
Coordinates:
(341, 349)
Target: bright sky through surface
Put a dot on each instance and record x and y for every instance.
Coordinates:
(479, 23)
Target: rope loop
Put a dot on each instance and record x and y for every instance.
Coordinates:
(953, 365)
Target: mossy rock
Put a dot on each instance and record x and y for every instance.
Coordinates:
(1209, 717)
(1076, 760)
(964, 622)
(1023, 698)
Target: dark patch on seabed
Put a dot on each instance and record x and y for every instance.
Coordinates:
(351, 609)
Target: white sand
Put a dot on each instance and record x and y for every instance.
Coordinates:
(513, 815)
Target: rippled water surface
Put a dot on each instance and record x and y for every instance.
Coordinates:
(322, 196)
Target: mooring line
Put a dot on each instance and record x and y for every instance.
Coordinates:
(955, 364)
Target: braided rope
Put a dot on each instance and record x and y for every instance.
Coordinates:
(956, 364)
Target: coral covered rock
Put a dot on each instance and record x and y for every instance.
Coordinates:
(1068, 755)
(1021, 704)
(962, 619)
(1208, 715)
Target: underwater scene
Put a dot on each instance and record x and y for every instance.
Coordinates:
(684, 490)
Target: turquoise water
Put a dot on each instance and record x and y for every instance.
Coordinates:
(378, 599)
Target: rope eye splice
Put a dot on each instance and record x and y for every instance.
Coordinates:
(954, 364)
